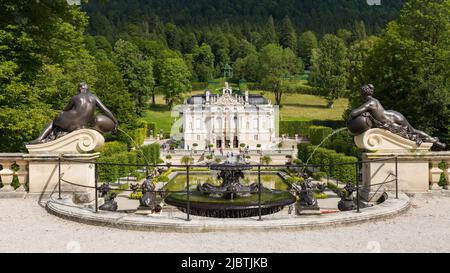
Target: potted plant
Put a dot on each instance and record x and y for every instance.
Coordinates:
(443, 182)
(258, 146)
(194, 146)
(168, 158)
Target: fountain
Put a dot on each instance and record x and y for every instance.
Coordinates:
(231, 199)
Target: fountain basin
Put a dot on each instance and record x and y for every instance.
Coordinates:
(272, 201)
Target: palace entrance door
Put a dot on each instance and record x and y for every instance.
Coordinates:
(235, 142)
(219, 143)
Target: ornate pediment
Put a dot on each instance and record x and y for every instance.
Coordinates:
(226, 99)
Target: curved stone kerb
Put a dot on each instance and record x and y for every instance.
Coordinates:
(380, 140)
(80, 141)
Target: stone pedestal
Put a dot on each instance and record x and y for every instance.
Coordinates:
(413, 164)
(70, 157)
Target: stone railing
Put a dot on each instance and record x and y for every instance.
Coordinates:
(13, 165)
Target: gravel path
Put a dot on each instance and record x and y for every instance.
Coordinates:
(25, 226)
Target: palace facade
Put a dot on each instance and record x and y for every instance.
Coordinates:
(228, 120)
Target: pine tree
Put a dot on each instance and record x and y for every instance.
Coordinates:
(270, 35)
(288, 35)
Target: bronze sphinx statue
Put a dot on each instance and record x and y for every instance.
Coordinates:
(371, 114)
(79, 114)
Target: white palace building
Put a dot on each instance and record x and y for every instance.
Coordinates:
(229, 120)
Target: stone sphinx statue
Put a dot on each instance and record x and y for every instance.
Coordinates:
(371, 114)
(79, 114)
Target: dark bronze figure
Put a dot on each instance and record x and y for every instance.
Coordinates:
(79, 114)
(372, 115)
(110, 204)
(104, 189)
(305, 193)
(346, 203)
(148, 199)
(231, 186)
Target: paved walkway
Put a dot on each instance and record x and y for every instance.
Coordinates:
(27, 227)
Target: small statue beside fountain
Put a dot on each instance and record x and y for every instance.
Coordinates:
(347, 203)
(371, 114)
(307, 202)
(110, 204)
(148, 202)
(104, 189)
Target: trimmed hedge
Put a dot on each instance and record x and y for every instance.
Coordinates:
(297, 127)
(152, 153)
(326, 157)
(318, 133)
(151, 129)
(113, 147)
(343, 142)
(110, 173)
(116, 153)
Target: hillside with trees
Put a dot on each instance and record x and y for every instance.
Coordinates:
(131, 53)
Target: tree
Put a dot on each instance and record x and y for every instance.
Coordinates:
(203, 62)
(247, 68)
(172, 36)
(42, 59)
(189, 43)
(266, 160)
(409, 66)
(329, 74)
(346, 35)
(306, 43)
(137, 72)
(187, 160)
(360, 30)
(174, 80)
(113, 92)
(358, 53)
(288, 35)
(277, 65)
(270, 35)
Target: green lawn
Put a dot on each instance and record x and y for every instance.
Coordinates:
(295, 107)
(300, 107)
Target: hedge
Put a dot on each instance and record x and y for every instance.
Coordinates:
(151, 129)
(110, 173)
(113, 147)
(297, 127)
(318, 133)
(152, 153)
(343, 142)
(326, 157)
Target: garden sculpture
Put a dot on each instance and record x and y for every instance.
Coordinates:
(371, 114)
(79, 114)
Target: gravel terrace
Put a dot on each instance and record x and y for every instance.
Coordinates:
(27, 227)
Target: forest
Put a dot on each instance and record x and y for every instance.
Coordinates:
(129, 52)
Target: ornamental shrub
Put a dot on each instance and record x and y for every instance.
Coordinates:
(327, 158)
(318, 133)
